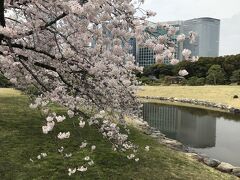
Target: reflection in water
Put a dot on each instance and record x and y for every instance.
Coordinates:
(213, 133)
(190, 129)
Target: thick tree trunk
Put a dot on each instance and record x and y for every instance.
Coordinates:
(214, 79)
(2, 18)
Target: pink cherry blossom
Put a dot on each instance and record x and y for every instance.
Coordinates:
(77, 56)
(181, 38)
(174, 61)
(186, 54)
(183, 72)
(63, 135)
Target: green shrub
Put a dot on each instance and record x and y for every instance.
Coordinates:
(158, 70)
(144, 80)
(166, 81)
(235, 78)
(32, 91)
(183, 82)
(4, 81)
(200, 82)
(195, 81)
(192, 81)
(216, 75)
(150, 81)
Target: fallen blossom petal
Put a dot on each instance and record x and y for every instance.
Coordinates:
(82, 169)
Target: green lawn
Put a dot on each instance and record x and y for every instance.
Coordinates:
(21, 139)
(218, 94)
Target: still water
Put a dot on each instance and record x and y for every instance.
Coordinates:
(212, 133)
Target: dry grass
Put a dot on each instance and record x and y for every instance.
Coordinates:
(218, 94)
(9, 92)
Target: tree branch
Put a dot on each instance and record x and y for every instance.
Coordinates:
(47, 24)
(2, 18)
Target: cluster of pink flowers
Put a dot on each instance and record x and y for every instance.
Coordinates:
(77, 55)
(183, 72)
(164, 45)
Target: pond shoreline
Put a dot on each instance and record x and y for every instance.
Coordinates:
(194, 103)
(178, 146)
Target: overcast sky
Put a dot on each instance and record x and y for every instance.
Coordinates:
(226, 10)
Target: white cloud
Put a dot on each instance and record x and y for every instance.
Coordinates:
(186, 9)
(230, 35)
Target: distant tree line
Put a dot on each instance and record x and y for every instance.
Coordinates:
(207, 70)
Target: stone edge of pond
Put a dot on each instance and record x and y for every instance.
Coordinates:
(203, 103)
(178, 146)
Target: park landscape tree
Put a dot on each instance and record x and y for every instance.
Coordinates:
(76, 54)
(235, 78)
(216, 75)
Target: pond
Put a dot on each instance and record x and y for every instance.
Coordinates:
(215, 134)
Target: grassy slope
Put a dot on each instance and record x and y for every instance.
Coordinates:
(21, 138)
(218, 94)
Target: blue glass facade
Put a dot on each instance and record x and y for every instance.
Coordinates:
(146, 56)
(133, 47)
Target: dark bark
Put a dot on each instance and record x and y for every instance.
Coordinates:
(83, 1)
(2, 18)
(20, 3)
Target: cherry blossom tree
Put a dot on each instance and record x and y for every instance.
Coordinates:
(76, 53)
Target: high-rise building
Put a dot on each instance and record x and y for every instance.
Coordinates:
(208, 30)
(207, 44)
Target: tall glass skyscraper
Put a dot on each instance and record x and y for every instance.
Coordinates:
(208, 30)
